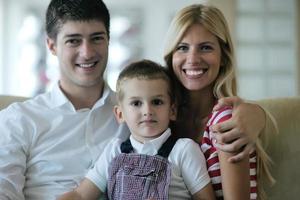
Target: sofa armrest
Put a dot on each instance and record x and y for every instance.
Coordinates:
(284, 147)
(6, 100)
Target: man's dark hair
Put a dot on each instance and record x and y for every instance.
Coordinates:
(61, 11)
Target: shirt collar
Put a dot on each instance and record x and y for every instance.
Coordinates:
(150, 147)
(58, 98)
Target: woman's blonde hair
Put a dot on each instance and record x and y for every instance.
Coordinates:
(225, 84)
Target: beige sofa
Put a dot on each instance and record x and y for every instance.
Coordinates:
(284, 148)
(5, 100)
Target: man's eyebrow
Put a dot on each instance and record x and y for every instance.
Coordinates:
(99, 33)
(79, 35)
(72, 35)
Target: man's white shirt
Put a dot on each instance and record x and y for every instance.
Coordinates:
(47, 147)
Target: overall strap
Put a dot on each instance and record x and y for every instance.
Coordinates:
(126, 146)
(167, 147)
(164, 151)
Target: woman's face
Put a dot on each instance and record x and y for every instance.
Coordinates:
(196, 59)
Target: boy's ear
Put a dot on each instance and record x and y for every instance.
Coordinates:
(118, 114)
(173, 112)
(51, 45)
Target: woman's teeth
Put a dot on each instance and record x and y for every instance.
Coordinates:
(194, 72)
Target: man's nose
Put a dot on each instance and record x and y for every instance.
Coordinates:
(87, 50)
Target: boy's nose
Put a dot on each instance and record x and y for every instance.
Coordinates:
(148, 110)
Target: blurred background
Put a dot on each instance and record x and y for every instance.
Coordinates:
(265, 32)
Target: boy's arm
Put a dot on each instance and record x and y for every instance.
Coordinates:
(87, 190)
(193, 169)
(206, 193)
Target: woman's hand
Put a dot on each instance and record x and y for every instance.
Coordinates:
(238, 134)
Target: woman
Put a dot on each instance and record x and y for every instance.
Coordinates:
(199, 54)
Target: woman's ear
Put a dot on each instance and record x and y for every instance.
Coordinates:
(118, 114)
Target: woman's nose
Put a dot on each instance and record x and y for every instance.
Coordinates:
(193, 57)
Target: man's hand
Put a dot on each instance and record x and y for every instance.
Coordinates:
(238, 134)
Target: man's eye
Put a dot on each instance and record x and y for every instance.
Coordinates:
(157, 102)
(72, 42)
(98, 39)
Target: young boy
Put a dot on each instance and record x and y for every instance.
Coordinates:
(151, 164)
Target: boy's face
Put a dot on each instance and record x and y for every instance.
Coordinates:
(145, 107)
(82, 50)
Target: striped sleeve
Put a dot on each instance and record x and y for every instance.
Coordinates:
(211, 155)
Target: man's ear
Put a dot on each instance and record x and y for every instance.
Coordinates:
(118, 114)
(173, 112)
(51, 46)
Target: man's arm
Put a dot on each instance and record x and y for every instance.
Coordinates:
(13, 151)
(87, 190)
(238, 134)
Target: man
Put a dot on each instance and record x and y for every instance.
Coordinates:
(48, 143)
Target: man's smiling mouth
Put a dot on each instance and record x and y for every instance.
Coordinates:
(87, 65)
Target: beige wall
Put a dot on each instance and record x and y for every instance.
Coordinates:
(228, 8)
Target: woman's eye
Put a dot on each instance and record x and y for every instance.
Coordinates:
(206, 48)
(182, 48)
(157, 102)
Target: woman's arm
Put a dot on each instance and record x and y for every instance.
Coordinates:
(87, 190)
(235, 177)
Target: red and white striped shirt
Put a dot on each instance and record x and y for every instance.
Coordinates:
(211, 155)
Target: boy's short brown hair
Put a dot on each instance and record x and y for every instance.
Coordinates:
(146, 70)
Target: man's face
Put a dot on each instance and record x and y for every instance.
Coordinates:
(82, 51)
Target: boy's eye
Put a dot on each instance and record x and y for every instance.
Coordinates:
(136, 103)
(157, 102)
